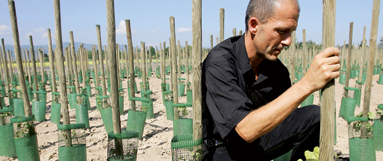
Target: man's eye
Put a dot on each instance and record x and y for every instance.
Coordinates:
(280, 32)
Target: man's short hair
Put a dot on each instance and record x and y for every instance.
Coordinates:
(263, 10)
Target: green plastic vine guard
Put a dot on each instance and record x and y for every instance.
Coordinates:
(84, 94)
(55, 110)
(358, 94)
(189, 96)
(82, 112)
(342, 77)
(17, 107)
(361, 149)
(185, 148)
(378, 132)
(30, 94)
(181, 87)
(146, 105)
(182, 125)
(106, 114)
(76, 152)
(168, 105)
(7, 146)
(42, 95)
(348, 105)
(136, 122)
(88, 90)
(38, 110)
(380, 81)
(26, 147)
(129, 143)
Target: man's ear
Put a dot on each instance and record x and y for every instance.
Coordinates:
(253, 25)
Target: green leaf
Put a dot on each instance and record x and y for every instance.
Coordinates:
(371, 115)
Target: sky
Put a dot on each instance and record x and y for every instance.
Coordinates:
(150, 20)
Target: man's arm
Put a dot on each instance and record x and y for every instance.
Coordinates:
(324, 68)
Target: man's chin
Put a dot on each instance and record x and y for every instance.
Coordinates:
(273, 57)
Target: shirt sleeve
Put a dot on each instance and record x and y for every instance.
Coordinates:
(226, 101)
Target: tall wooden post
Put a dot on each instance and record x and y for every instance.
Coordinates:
(327, 123)
(361, 61)
(27, 65)
(95, 68)
(304, 52)
(292, 57)
(10, 66)
(61, 72)
(178, 58)
(370, 68)
(197, 68)
(187, 63)
(349, 59)
(221, 24)
(131, 63)
(7, 77)
(16, 42)
(157, 52)
(163, 63)
(103, 83)
(174, 65)
(113, 75)
(42, 65)
(74, 59)
(36, 96)
(82, 65)
(143, 61)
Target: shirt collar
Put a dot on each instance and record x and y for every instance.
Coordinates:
(243, 59)
(241, 53)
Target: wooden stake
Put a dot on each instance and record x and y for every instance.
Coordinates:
(197, 68)
(61, 72)
(221, 24)
(10, 66)
(174, 65)
(113, 75)
(361, 61)
(7, 77)
(370, 68)
(74, 62)
(163, 63)
(327, 123)
(349, 59)
(16, 42)
(292, 58)
(42, 65)
(143, 61)
(187, 63)
(103, 83)
(304, 53)
(36, 87)
(131, 63)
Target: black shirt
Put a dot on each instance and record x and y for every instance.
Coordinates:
(230, 92)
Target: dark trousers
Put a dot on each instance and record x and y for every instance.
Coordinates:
(298, 132)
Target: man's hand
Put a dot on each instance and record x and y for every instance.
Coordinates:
(325, 67)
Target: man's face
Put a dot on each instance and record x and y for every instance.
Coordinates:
(271, 37)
